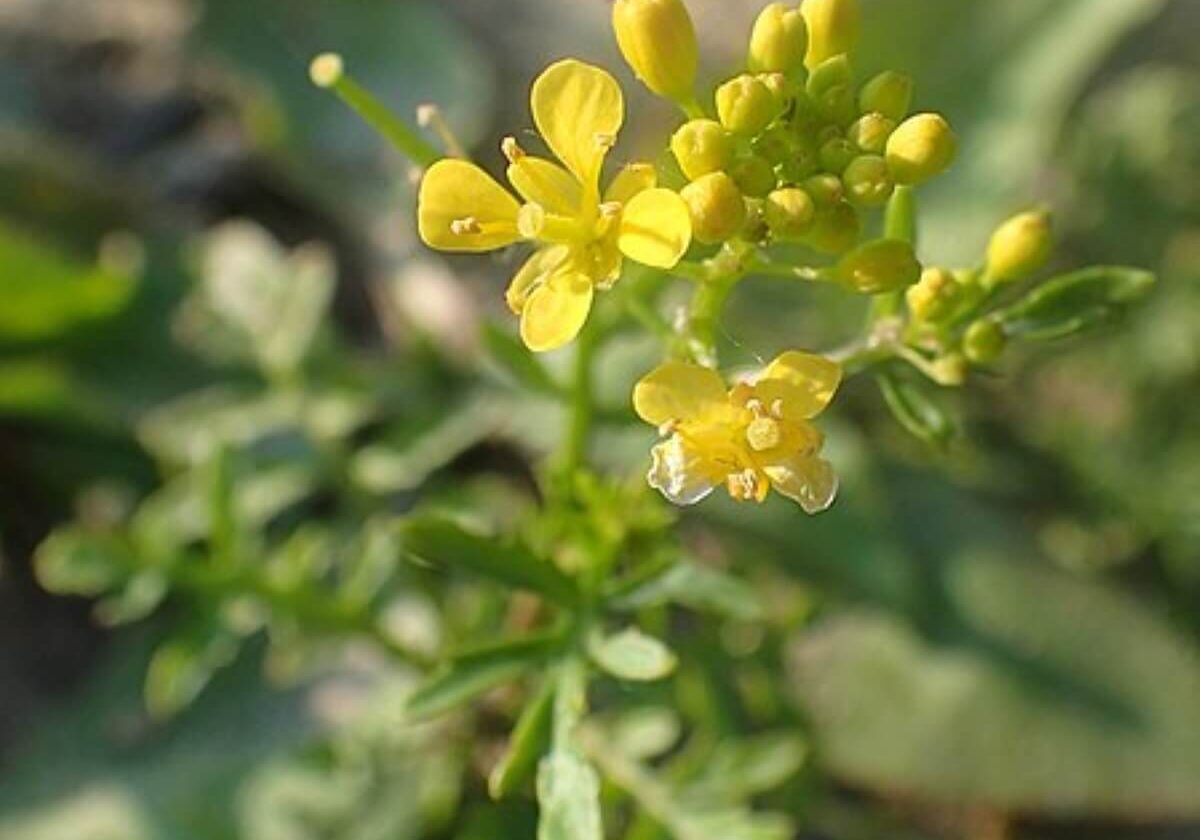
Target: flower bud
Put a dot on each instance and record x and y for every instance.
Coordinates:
(789, 213)
(935, 297)
(885, 265)
(835, 229)
(984, 341)
(1019, 247)
(920, 148)
(702, 146)
(826, 190)
(779, 42)
(949, 371)
(832, 28)
(717, 208)
(747, 105)
(658, 41)
(833, 73)
(870, 132)
(889, 93)
(868, 181)
(836, 154)
(754, 176)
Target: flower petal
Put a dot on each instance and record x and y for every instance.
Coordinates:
(546, 183)
(809, 481)
(578, 109)
(556, 311)
(679, 391)
(631, 180)
(536, 271)
(804, 382)
(679, 472)
(656, 228)
(462, 208)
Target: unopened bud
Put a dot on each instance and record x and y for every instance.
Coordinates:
(889, 93)
(826, 190)
(885, 265)
(868, 181)
(935, 296)
(921, 148)
(754, 176)
(747, 105)
(1019, 247)
(789, 213)
(835, 229)
(702, 146)
(779, 42)
(832, 28)
(836, 155)
(658, 41)
(717, 208)
(984, 341)
(949, 371)
(870, 132)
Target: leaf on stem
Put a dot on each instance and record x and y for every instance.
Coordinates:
(632, 655)
(915, 409)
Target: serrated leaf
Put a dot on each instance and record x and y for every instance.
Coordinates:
(528, 743)
(916, 410)
(440, 540)
(632, 655)
(1073, 303)
(698, 587)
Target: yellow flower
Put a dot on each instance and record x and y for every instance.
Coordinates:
(750, 438)
(581, 234)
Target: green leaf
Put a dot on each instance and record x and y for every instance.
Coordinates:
(471, 673)
(439, 540)
(632, 655)
(698, 587)
(1075, 302)
(569, 796)
(518, 362)
(915, 409)
(529, 741)
(73, 562)
(182, 667)
(741, 769)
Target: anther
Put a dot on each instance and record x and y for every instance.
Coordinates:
(531, 220)
(668, 428)
(512, 149)
(465, 227)
(604, 140)
(610, 209)
(777, 409)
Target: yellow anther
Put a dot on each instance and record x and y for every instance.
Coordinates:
(611, 209)
(777, 409)
(605, 141)
(465, 227)
(763, 434)
(512, 149)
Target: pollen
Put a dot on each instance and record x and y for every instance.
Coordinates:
(466, 227)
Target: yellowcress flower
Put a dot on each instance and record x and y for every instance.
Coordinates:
(581, 234)
(750, 438)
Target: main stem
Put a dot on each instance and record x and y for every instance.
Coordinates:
(581, 409)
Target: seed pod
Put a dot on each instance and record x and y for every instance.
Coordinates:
(789, 214)
(658, 41)
(754, 176)
(921, 148)
(889, 93)
(885, 265)
(835, 229)
(935, 296)
(984, 341)
(832, 28)
(717, 208)
(870, 132)
(1019, 247)
(868, 181)
(747, 105)
(779, 41)
(702, 146)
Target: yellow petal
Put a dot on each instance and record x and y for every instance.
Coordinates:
(678, 391)
(462, 208)
(806, 383)
(680, 472)
(536, 271)
(810, 482)
(546, 183)
(578, 109)
(631, 180)
(656, 228)
(556, 312)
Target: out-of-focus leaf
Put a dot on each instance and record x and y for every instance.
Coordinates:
(699, 587)
(137, 599)
(1064, 697)
(740, 769)
(471, 673)
(1075, 302)
(569, 796)
(35, 387)
(916, 410)
(632, 655)
(529, 741)
(518, 362)
(439, 539)
(182, 667)
(74, 562)
(646, 732)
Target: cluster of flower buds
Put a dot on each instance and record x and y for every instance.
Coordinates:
(795, 151)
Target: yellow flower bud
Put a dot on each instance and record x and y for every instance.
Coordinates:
(826, 190)
(754, 176)
(949, 371)
(747, 105)
(658, 41)
(717, 208)
(789, 213)
(870, 132)
(885, 265)
(702, 146)
(836, 155)
(779, 41)
(778, 84)
(920, 148)
(1019, 247)
(935, 296)
(868, 181)
(984, 341)
(835, 229)
(832, 28)
(889, 93)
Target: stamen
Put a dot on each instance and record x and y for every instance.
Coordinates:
(466, 227)
(531, 220)
(512, 149)
(605, 141)
(610, 209)
(429, 115)
(764, 434)
(756, 407)
(668, 428)
(777, 409)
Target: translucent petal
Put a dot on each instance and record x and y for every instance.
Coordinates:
(804, 382)
(679, 391)
(810, 482)
(631, 180)
(656, 228)
(536, 271)
(679, 472)
(462, 208)
(556, 311)
(546, 183)
(578, 109)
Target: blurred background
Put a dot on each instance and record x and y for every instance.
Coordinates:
(1002, 640)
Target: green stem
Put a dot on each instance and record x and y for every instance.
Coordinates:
(900, 222)
(581, 407)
